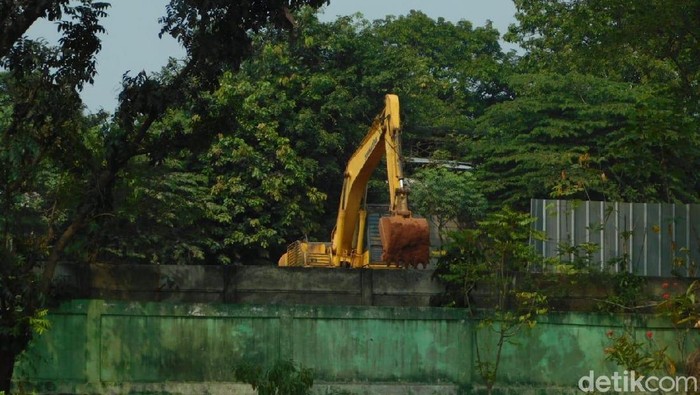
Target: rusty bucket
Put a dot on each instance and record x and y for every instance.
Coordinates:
(405, 241)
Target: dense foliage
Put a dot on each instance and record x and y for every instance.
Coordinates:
(283, 377)
(59, 169)
(230, 154)
(605, 107)
(581, 136)
(283, 127)
(493, 257)
(449, 199)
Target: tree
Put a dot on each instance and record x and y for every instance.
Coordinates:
(333, 73)
(59, 170)
(606, 106)
(445, 196)
(42, 156)
(580, 136)
(314, 97)
(648, 41)
(185, 158)
(495, 256)
(234, 201)
(618, 39)
(466, 67)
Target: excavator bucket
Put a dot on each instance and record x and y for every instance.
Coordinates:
(405, 241)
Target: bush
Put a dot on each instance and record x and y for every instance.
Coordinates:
(282, 378)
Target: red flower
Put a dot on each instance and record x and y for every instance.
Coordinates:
(650, 334)
(664, 285)
(609, 334)
(666, 296)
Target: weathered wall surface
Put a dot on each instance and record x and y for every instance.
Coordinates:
(272, 285)
(250, 284)
(97, 346)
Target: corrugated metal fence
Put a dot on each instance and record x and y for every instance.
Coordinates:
(655, 239)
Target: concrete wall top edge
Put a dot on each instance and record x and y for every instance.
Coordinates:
(222, 310)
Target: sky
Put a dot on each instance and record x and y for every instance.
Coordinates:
(131, 43)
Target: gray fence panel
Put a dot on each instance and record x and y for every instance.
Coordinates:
(611, 244)
(654, 239)
(682, 235)
(638, 217)
(668, 238)
(536, 211)
(693, 226)
(595, 229)
(653, 233)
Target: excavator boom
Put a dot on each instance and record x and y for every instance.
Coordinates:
(405, 239)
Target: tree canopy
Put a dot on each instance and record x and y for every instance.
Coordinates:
(584, 137)
(302, 106)
(59, 168)
(605, 105)
(238, 149)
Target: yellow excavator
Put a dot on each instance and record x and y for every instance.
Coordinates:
(405, 239)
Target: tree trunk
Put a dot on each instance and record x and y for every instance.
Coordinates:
(10, 348)
(7, 366)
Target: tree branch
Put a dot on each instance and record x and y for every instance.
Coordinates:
(16, 17)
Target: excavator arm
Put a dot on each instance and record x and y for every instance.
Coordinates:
(405, 240)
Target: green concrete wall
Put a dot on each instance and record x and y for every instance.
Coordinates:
(95, 345)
